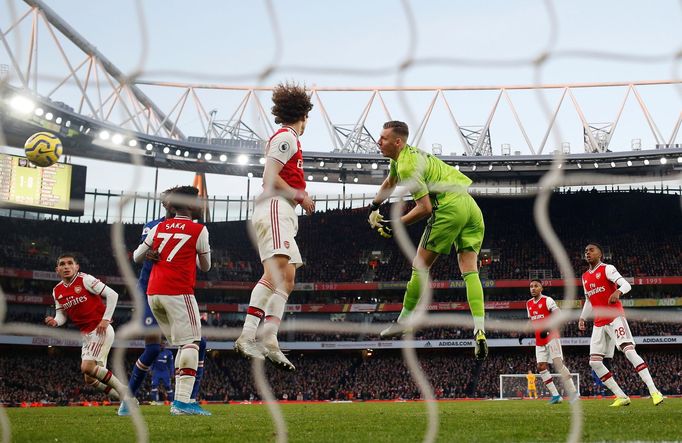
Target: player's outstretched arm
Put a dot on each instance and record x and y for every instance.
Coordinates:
(141, 252)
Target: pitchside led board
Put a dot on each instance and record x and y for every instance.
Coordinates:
(57, 189)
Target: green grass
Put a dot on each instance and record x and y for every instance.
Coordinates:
(491, 421)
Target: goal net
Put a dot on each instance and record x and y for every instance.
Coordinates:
(515, 386)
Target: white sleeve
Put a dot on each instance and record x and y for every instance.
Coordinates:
(139, 254)
(551, 304)
(587, 309)
(59, 315)
(203, 251)
(614, 276)
(95, 286)
(282, 147)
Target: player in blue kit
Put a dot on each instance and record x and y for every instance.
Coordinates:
(152, 343)
(163, 370)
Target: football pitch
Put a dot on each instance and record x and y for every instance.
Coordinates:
(484, 421)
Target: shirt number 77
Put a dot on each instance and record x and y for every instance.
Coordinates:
(165, 237)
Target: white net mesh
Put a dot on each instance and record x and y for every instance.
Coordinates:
(120, 101)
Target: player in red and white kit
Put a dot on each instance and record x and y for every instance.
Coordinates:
(603, 286)
(79, 297)
(275, 225)
(177, 246)
(548, 342)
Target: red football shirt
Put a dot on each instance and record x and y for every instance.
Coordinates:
(80, 300)
(541, 310)
(599, 284)
(178, 241)
(285, 147)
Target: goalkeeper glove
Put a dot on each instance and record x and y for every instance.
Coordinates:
(375, 218)
(544, 334)
(385, 229)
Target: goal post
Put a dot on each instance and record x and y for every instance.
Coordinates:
(515, 386)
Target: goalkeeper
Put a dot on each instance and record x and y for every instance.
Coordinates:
(440, 193)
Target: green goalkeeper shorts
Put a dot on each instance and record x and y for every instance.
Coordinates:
(457, 221)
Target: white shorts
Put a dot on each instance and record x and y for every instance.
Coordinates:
(178, 317)
(548, 352)
(275, 225)
(96, 347)
(605, 338)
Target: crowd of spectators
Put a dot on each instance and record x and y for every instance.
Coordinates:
(640, 232)
(52, 375)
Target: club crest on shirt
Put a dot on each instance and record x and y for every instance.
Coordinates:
(283, 147)
(598, 274)
(78, 289)
(286, 244)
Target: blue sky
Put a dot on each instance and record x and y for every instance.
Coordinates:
(222, 41)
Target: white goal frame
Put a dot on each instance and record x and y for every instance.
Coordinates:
(557, 381)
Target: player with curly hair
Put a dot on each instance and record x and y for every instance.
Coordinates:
(275, 226)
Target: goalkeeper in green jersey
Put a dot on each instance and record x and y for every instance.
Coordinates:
(440, 193)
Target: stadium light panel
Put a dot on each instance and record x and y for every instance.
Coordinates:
(310, 178)
(68, 123)
(629, 163)
(87, 131)
(208, 156)
(104, 135)
(325, 178)
(199, 155)
(117, 139)
(679, 159)
(473, 168)
(560, 165)
(490, 168)
(321, 164)
(376, 166)
(646, 161)
(596, 165)
(223, 158)
(21, 104)
(358, 165)
(355, 179)
(243, 159)
(178, 152)
(132, 143)
(508, 167)
(457, 167)
(261, 160)
(39, 112)
(149, 147)
(166, 150)
(250, 175)
(58, 120)
(664, 160)
(579, 165)
(340, 164)
(48, 116)
(613, 164)
(185, 154)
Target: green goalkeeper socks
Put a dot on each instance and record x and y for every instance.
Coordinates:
(411, 297)
(475, 298)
